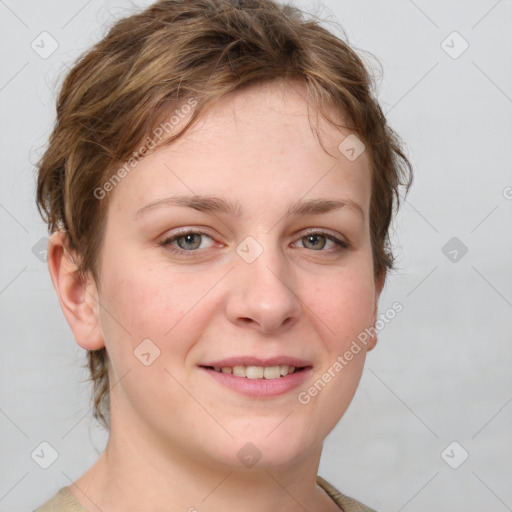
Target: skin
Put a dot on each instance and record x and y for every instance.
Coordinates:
(176, 431)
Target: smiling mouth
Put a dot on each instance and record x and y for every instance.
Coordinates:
(257, 372)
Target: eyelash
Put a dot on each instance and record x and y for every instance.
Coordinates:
(341, 244)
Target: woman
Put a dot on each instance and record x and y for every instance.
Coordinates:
(219, 187)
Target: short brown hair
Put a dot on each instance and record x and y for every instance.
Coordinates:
(175, 50)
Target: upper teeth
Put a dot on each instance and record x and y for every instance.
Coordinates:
(257, 372)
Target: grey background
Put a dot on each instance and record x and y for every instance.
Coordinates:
(441, 371)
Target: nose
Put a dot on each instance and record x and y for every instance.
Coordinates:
(261, 294)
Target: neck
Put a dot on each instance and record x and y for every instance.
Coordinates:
(137, 473)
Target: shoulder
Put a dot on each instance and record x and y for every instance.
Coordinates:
(63, 501)
(344, 502)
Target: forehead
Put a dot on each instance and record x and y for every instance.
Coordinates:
(277, 112)
(266, 142)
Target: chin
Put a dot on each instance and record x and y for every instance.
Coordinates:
(262, 447)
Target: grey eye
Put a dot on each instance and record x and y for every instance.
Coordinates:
(189, 241)
(314, 241)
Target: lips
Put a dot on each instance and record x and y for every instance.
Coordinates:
(255, 368)
(257, 377)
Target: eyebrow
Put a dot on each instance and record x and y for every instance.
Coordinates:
(218, 204)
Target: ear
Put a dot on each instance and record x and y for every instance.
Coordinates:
(78, 294)
(379, 285)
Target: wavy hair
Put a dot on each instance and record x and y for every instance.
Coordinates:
(154, 61)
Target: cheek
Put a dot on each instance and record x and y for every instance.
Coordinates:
(344, 304)
(150, 302)
(142, 321)
(141, 299)
(342, 309)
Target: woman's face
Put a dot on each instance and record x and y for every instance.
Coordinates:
(232, 248)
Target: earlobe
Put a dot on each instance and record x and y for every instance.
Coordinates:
(78, 296)
(379, 285)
